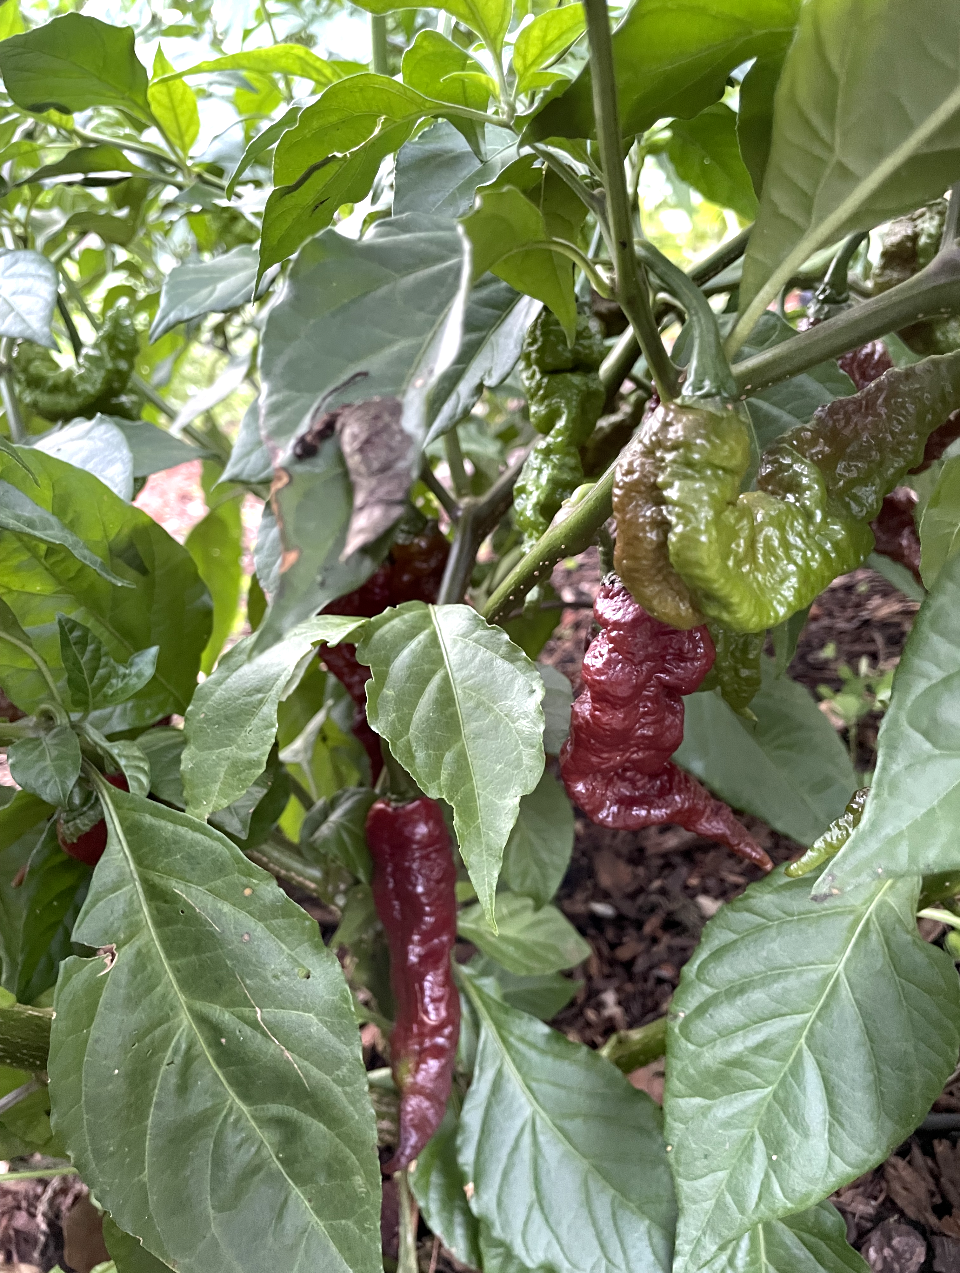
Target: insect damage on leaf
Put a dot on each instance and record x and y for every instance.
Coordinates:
(377, 451)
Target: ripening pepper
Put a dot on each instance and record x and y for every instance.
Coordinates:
(736, 669)
(414, 891)
(627, 722)
(907, 246)
(98, 381)
(565, 398)
(88, 846)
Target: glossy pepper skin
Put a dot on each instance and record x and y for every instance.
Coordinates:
(736, 669)
(627, 722)
(414, 882)
(90, 845)
(413, 571)
(565, 398)
(833, 839)
(98, 382)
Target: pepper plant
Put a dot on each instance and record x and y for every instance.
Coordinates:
(392, 269)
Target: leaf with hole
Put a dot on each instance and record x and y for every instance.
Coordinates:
(218, 988)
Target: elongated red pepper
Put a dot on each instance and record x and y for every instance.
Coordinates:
(414, 880)
(628, 721)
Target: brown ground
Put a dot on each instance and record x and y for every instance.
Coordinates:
(641, 900)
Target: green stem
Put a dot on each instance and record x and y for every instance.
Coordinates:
(8, 393)
(631, 290)
(933, 293)
(458, 474)
(835, 279)
(439, 491)
(572, 253)
(39, 1173)
(952, 220)
(630, 1049)
(478, 517)
(409, 1218)
(380, 50)
(283, 860)
(595, 205)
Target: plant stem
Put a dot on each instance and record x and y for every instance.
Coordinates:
(629, 1049)
(932, 293)
(282, 859)
(409, 1218)
(25, 1036)
(378, 43)
(39, 1173)
(631, 290)
(439, 491)
(458, 474)
(477, 518)
(8, 392)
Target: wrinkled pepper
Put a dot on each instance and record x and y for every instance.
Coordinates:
(691, 545)
(412, 571)
(736, 669)
(833, 839)
(414, 883)
(565, 398)
(98, 381)
(907, 246)
(627, 722)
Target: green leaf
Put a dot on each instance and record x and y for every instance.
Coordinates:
(261, 144)
(755, 115)
(438, 171)
(502, 228)
(73, 63)
(174, 106)
(814, 1241)
(87, 159)
(908, 826)
(152, 448)
(706, 154)
(167, 604)
(335, 828)
(24, 517)
(220, 990)
(528, 939)
(128, 757)
(25, 1126)
(789, 768)
(97, 446)
(94, 678)
(489, 18)
(345, 308)
(795, 1019)
(566, 1159)
(216, 545)
(431, 66)
(216, 286)
(940, 523)
(129, 1254)
(232, 721)
(542, 995)
(847, 153)
(250, 460)
(557, 706)
(543, 40)
(163, 748)
(536, 856)
(48, 766)
(28, 293)
(278, 59)
(483, 747)
(39, 916)
(11, 21)
(672, 61)
(437, 1183)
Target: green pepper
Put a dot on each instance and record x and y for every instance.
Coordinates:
(564, 397)
(833, 839)
(736, 669)
(97, 382)
(908, 245)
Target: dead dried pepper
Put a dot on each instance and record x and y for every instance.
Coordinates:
(628, 721)
(414, 881)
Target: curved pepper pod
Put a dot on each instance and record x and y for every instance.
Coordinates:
(414, 883)
(628, 720)
(833, 839)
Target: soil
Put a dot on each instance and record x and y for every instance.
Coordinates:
(641, 900)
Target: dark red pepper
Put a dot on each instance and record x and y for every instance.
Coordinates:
(89, 846)
(414, 882)
(412, 572)
(895, 530)
(628, 721)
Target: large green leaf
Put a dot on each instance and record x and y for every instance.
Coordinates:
(438, 172)
(566, 1160)
(174, 106)
(277, 59)
(438, 68)
(232, 722)
(167, 604)
(459, 705)
(706, 155)
(25, 518)
(529, 940)
(538, 852)
(153, 449)
(940, 523)
(806, 1041)
(814, 1241)
(672, 58)
(866, 127)
(543, 40)
(128, 1253)
(437, 1183)
(755, 115)
(28, 293)
(99, 447)
(910, 823)
(489, 18)
(214, 1027)
(205, 287)
(48, 765)
(373, 306)
(216, 545)
(94, 679)
(73, 63)
(790, 768)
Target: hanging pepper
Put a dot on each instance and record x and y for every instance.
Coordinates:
(414, 882)
(627, 722)
(895, 530)
(736, 670)
(83, 832)
(908, 245)
(412, 571)
(97, 382)
(565, 398)
(749, 560)
(833, 839)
